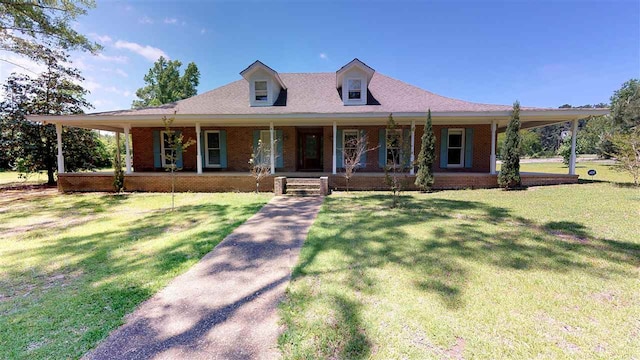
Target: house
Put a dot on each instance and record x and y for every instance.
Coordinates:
(305, 118)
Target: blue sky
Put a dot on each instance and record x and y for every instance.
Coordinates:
(541, 53)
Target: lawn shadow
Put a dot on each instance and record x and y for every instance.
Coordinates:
(108, 269)
(455, 235)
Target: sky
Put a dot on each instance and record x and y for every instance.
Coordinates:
(542, 53)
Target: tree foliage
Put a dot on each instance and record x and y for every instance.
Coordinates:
(164, 84)
(31, 28)
(398, 153)
(627, 152)
(34, 145)
(426, 157)
(509, 177)
(625, 106)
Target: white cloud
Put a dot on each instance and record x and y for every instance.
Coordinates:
(145, 20)
(116, 59)
(170, 21)
(323, 56)
(12, 63)
(203, 31)
(148, 52)
(116, 71)
(101, 38)
(115, 90)
(90, 85)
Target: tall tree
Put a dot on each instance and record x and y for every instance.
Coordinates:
(424, 178)
(625, 106)
(54, 92)
(509, 177)
(165, 85)
(29, 27)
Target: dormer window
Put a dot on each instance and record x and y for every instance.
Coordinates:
(352, 82)
(355, 89)
(261, 93)
(265, 85)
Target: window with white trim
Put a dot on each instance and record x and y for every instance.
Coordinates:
(394, 146)
(349, 143)
(455, 148)
(212, 148)
(166, 151)
(354, 88)
(260, 90)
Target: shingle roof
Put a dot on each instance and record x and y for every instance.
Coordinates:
(315, 93)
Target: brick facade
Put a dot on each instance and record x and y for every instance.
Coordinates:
(211, 182)
(240, 144)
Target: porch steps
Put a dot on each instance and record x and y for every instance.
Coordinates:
(303, 187)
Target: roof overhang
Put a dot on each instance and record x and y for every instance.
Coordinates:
(355, 63)
(528, 119)
(258, 65)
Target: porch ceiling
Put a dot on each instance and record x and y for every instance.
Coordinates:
(529, 119)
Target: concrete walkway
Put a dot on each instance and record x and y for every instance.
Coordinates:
(225, 306)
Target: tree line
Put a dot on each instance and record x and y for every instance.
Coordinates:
(43, 32)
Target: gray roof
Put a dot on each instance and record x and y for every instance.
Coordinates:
(316, 93)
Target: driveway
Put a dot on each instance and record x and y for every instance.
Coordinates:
(225, 306)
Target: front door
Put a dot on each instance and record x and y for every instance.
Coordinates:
(310, 149)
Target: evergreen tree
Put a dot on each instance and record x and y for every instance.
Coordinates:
(509, 176)
(424, 178)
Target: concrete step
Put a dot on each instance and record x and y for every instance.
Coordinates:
(303, 186)
(300, 181)
(303, 192)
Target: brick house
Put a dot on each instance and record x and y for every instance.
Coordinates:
(306, 119)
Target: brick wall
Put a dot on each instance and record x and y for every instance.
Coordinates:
(240, 144)
(161, 182)
(239, 148)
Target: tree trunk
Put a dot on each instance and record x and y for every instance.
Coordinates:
(50, 179)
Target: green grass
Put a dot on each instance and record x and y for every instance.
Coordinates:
(605, 171)
(71, 266)
(10, 178)
(549, 272)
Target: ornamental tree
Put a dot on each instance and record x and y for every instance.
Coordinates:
(426, 157)
(509, 177)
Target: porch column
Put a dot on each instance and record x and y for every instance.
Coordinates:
(494, 128)
(199, 150)
(335, 143)
(60, 157)
(273, 148)
(413, 146)
(127, 150)
(574, 135)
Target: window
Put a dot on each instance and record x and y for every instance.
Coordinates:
(394, 146)
(455, 150)
(355, 89)
(349, 143)
(167, 153)
(212, 146)
(260, 90)
(265, 139)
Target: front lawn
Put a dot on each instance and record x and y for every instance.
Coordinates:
(71, 266)
(550, 272)
(12, 178)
